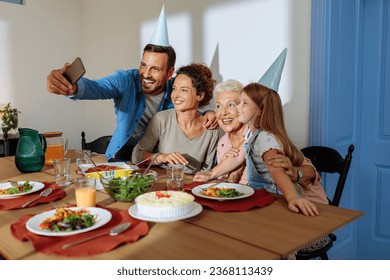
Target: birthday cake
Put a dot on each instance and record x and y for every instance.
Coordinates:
(164, 204)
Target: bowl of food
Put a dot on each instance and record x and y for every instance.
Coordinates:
(127, 188)
(106, 170)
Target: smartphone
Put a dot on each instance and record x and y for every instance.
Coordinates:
(75, 71)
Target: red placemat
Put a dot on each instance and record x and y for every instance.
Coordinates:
(102, 244)
(16, 203)
(260, 198)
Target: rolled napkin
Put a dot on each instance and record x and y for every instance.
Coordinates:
(260, 198)
(16, 203)
(99, 245)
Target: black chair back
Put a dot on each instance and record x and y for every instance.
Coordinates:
(99, 145)
(328, 160)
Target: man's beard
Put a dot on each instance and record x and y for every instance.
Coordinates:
(153, 90)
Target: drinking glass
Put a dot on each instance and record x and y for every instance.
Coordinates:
(175, 177)
(82, 158)
(85, 191)
(82, 153)
(62, 171)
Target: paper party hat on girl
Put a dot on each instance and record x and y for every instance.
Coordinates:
(271, 77)
(160, 34)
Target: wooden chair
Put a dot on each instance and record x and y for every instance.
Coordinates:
(99, 145)
(328, 160)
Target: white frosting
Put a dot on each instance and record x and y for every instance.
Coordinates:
(164, 204)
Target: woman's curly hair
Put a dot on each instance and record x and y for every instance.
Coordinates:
(202, 80)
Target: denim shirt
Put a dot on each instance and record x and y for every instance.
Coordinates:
(124, 87)
(258, 174)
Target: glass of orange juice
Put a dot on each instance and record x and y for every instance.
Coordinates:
(85, 190)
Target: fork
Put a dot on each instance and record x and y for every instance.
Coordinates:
(54, 205)
(219, 183)
(13, 183)
(101, 176)
(213, 186)
(150, 164)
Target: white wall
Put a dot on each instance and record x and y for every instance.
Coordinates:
(109, 35)
(36, 37)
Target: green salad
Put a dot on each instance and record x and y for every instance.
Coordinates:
(25, 187)
(68, 220)
(126, 189)
(227, 192)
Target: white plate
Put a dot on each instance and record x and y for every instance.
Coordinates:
(36, 187)
(102, 217)
(247, 191)
(196, 209)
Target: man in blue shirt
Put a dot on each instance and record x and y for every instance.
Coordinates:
(137, 93)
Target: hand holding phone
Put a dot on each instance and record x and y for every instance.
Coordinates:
(75, 71)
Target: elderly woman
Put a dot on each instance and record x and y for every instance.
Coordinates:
(178, 136)
(231, 144)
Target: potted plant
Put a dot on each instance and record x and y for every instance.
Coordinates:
(9, 117)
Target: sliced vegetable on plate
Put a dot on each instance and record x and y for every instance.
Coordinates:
(225, 191)
(8, 191)
(68, 220)
(23, 187)
(221, 192)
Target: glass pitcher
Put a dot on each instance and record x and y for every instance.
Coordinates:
(30, 152)
(57, 145)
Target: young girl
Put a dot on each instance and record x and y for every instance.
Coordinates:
(261, 109)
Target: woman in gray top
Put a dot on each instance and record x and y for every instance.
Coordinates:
(178, 136)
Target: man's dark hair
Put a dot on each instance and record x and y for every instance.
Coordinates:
(163, 49)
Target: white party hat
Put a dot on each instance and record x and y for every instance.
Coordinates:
(271, 77)
(160, 34)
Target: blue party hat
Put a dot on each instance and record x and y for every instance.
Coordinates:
(160, 34)
(271, 77)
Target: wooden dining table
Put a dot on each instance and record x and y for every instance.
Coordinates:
(269, 233)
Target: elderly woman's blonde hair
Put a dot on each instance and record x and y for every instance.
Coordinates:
(228, 86)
